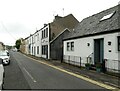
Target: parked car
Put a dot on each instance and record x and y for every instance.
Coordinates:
(5, 56)
(14, 50)
(1, 74)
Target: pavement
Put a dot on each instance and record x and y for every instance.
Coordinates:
(92, 74)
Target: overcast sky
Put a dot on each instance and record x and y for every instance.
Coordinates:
(20, 18)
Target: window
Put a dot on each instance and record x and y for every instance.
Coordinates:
(32, 50)
(38, 37)
(46, 32)
(70, 46)
(42, 34)
(44, 50)
(32, 39)
(37, 49)
(107, 16)
(118, 43)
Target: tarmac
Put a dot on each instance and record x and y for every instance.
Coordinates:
(92, 74)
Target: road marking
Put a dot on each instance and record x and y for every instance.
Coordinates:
(29, 75)
(78, 76)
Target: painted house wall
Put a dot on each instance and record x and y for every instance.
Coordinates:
(82, 50)
(33, 44)
(45, 41)
(37, 45)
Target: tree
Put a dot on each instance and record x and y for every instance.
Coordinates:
(18, 43)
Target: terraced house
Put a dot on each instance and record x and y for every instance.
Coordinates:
(96, 39)
(42, 42)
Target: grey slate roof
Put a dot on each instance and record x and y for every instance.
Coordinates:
(93, 24)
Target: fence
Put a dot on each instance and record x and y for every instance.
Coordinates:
(113, 65)
(76, 60)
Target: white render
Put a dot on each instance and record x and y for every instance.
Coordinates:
(37, 43)
(45, 41)
(32, 42)
(82, 50)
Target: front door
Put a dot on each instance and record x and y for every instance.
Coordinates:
(46, 51)
(98, 50)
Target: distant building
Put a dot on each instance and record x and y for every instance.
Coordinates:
(22, 46)
(2, 46)
(96, 39)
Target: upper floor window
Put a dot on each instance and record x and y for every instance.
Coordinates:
(32, 39)
(45, 33)
(118, 43)
(38, 37)
(42, 34)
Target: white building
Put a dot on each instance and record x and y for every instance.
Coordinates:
(35, 44)
(96, 39)
(45, 48)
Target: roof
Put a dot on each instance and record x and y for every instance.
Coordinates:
(102, 22)
(60, 23)
(66, 29)
(68, 21)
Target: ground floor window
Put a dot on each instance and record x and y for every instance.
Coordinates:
(32, 50)
(70, 46)
(37, 49)
(44, 49)
(118, 43)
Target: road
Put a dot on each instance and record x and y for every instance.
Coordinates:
(26, 73)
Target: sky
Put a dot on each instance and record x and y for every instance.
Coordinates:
(20, 18)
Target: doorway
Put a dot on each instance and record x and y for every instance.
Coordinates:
(98, 50)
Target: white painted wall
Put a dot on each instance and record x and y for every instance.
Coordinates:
(38, 43)
(82, 50)
(45, 41)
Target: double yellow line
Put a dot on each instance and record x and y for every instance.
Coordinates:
(79, 76)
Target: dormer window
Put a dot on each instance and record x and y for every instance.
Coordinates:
(107, 16)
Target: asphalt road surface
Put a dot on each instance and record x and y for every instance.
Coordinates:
(26, 73)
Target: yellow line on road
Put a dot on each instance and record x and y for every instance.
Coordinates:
(78, 76)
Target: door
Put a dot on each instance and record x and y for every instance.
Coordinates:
(98, 50)
(46, 51)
